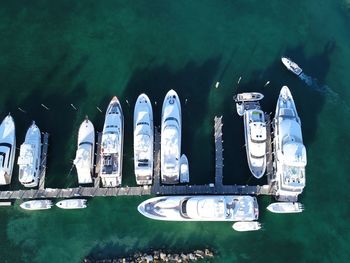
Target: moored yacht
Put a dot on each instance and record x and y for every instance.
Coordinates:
(84, 158)
(7, 149)
(171, 138)
(112, 145)
(72, 204)
(290, 152)
(201, 208)
(285, 207)
(36, 205)
(291, 66)
(255, 141)
(29, 157)
(143, 140)
(246, 226)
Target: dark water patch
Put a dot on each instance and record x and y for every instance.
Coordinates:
(192, 83)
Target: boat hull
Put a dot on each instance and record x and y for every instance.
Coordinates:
(200, 208)
(84, 160)
(29, 171)
(7, 149)
(171, 139)
(72, 204)
(143, 140)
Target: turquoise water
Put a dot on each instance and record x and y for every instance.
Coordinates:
(63, 52)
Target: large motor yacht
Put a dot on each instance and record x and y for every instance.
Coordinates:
(171, 138)
(255, 141)
(291, 66)
(112, 145)
(29, 157)
(7, 149)
(84, 158)
(200, 208)
(143, 140)
(290, 153)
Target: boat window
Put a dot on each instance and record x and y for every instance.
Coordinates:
(257, 157)
(171, 119)
(8, 145)
(142, 123)
(3, 158)
(184, 208)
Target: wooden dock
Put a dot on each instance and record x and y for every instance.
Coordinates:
(43, 161)
(156, 189)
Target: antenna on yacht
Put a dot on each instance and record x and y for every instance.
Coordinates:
(98, 109)
(73, 106)
(20, 109)
(44, 106)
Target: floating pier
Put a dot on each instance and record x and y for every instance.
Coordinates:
(218, 188)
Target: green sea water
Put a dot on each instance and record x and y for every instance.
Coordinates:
(83, 52)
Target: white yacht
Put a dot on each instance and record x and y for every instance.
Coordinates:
(285, 207)
(290, 152)
(255, 141)
(112, 145)
(72, 204)
(84, 158)
(36, 205)
(200, 208)
(184, 169)
(143, 140)
(171, 138)
(291, 66)
(29, 157)
(246, 226)
(7, 149)
(242, 99)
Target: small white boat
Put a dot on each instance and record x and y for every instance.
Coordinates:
(247, 97)
(72, 204)
(84, 158)
(143, 140)
(291, 66)
(7, 149)
(246, 226)
(29, 157)
(184, 169)
(285, 207)
(36, 204)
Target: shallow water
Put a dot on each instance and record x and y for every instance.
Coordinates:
(82, 53)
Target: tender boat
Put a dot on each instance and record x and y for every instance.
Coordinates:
(29, 157)
(72, 204)
(143, 140)
(84, 158)
(200, 208)
(112, 145)
(171, 138)
(290, 152)
(291, 66)
(184, 169)
(285, 207)
(242, 99)
(37, 205)
(246, 226)
(7, 149)
(255, 141)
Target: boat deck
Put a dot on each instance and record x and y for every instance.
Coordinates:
(156, 189)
